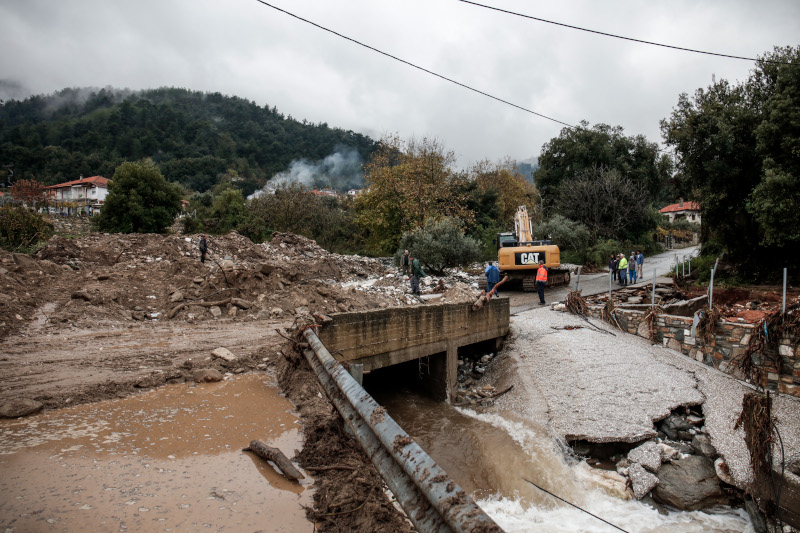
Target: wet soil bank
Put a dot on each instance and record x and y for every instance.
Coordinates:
(350, 494)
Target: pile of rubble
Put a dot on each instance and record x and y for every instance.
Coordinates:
(104, 279)
(471, 369)
(679, 468)
(735, 304)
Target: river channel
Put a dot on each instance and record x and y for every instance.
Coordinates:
(492, 455)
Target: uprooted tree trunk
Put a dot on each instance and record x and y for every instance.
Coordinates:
(485, 297)
(275, 456)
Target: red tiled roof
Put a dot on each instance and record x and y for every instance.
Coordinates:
(683, 206)
(100, 181)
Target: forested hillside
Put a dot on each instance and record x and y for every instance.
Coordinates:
(194, 137)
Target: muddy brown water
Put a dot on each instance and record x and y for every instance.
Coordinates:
(164, 460)
(492, 455)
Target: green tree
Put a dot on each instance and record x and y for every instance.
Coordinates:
(228, 210)
(408, 183)
(510, 187)
(572, 238)
(440, 244)
(139, 200)
(610, 205)
(738, 148)
(580, 149)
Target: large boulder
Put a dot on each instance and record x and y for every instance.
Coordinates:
(689, 484)
(19, 407)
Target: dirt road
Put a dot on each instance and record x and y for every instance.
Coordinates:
(82, 365)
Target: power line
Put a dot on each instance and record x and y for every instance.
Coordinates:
(572, 504)
(625, 38)
(417, 66)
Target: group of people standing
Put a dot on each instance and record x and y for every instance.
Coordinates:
(626, 270)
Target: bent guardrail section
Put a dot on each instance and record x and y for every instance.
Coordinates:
(433, 501)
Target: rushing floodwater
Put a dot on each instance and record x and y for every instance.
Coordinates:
(491, 456)
(165, 460)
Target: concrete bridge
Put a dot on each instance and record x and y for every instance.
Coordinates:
(370, 340)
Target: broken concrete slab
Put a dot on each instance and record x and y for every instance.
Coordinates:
(642, 481)
(648, 455)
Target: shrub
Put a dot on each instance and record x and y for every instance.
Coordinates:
(22, 229)
(439, 245)
(572, 238)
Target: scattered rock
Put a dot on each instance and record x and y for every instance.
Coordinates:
(224, 354)
(215, 311)
(81, 295)
(20, 407)
(241, 304)
(701, 444)
(206, 375)
(176, 297)
(721, 468)
(673, 424)
(153, 380)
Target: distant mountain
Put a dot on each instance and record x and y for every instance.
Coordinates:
(196, 138)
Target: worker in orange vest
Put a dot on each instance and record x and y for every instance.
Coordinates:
(541, 281)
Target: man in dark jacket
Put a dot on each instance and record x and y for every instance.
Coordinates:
(203, 248)
(492, 277)
(612, 267)
(416, 273)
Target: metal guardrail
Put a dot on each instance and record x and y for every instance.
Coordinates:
(432, 501)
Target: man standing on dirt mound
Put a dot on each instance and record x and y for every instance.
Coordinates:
(416, 273)
(203, 248)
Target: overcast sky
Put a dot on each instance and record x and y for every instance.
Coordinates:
(243, 48)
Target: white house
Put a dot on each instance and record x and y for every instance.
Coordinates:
(84, 196)
(686, 210)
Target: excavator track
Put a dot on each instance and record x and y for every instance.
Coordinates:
(555, 278)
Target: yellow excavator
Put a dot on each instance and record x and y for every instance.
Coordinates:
(518, 255)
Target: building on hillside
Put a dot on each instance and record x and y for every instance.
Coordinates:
(682, 210)
(84, 196)
(324, 192)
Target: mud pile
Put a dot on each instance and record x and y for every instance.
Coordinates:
(104, 279)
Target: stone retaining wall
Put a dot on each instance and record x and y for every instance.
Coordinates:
(730, 341)
(69, 225)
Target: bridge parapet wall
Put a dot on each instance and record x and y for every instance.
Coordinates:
(388, 337)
